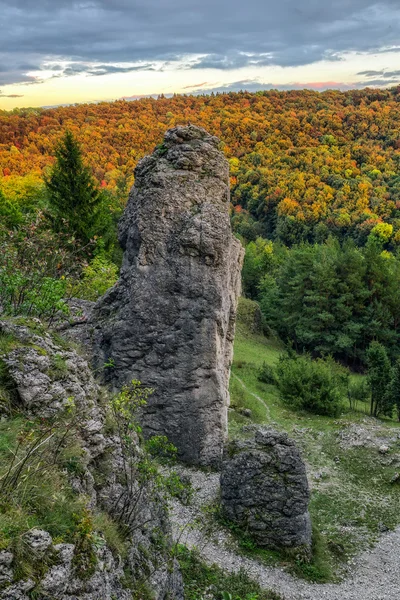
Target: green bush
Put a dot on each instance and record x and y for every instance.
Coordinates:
(158, 446)
(20, 196)
(178, 486)
(10, 214)
(98, 276)
(317, 386)
(267, 374)
(249, 315)
(35, 265)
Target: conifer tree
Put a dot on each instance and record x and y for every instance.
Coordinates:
(394, 388)
(73, 195)
(379, 378)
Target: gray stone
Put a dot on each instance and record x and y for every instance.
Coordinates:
(18, 591)
(38, 541)
(264, 490)
(47, 377)
(45, 387)
(58, 577)
(75, 326)
(246, 412)
(6, 574)
(169, 321)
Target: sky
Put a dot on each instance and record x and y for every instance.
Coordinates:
(61, 52)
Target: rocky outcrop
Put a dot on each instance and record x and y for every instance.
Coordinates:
(48, 376)
(169, 321)
(60, 581)
(48, 379)
(264, 490)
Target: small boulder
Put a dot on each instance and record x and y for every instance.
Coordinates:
(39, 541)
(264, 490)
(18, 591)
(6, 574)
(246, 412)
(58, 576)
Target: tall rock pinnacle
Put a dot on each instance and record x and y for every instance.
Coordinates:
(170, 319)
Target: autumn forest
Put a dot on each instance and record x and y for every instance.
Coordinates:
(301, 161)
(315, 195)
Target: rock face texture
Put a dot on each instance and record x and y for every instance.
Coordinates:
(169, 321)
(264, 490)
(60, 581)
(46, 377)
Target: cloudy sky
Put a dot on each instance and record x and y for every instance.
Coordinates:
(58, 51)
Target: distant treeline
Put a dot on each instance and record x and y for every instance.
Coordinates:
(304, 165)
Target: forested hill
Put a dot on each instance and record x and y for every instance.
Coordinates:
(302, 163)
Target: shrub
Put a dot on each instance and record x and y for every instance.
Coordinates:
(10, 214)
(179, 486)
(34, 486)
(20, 196)
(159, 447)
(249, 315)
(34, 267)
(317, 386)
(267, 374)
(98, 276)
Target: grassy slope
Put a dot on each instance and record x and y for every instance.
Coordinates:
(352, 497)
(203, 581)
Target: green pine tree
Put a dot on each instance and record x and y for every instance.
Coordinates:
(394, 388)
(73, 194)
(379, 378)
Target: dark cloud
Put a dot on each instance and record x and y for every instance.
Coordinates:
(99, 37)
(233, 61)
(380, 82)
(386, 74)
(77, 69)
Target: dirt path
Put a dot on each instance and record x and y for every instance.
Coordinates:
(254, 395)
(375, 574)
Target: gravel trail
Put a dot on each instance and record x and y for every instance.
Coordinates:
(375, 574)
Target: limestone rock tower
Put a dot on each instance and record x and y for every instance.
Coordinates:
(170, 319)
